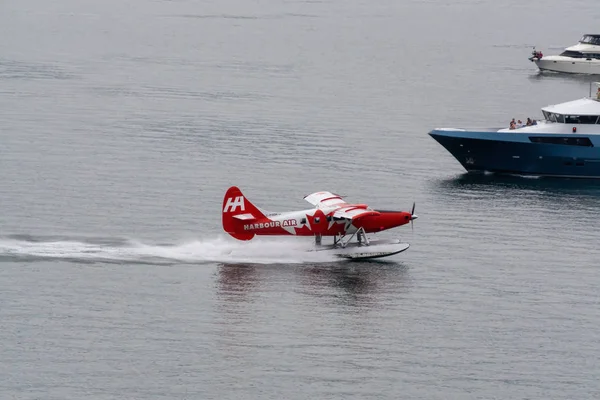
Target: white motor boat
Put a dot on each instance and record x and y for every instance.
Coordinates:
(582, 58)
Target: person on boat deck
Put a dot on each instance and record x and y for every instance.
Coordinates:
(598, 94)
(529, 123)
(513, 125)
(512, 122)
(534, 122)
(519, 124)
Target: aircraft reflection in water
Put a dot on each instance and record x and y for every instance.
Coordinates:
(237, 279)
(359, 282)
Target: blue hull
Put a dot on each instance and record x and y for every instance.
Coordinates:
(572, 155)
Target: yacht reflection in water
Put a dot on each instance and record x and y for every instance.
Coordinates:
(549, 185)
(578, 197)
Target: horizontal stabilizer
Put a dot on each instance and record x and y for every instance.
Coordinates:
(244, 217)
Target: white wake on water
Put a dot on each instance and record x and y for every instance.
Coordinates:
(219, 249)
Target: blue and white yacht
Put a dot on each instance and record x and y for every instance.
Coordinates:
(565, 144)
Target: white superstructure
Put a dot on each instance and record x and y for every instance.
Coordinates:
(575, 116)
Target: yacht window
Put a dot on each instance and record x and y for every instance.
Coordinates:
(564, 140)
(581, 119)
(572, 54)
(590, 39)
(556, 117)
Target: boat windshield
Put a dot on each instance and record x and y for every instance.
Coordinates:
(554, 117)
(571, 119)
(590, 39)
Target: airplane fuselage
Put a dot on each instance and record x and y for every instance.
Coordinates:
(331, 216)
(313, 221)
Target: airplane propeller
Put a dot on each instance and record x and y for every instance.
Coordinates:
(413, 216)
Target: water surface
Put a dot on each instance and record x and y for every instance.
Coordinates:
(123, 124)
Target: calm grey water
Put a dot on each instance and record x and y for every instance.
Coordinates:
(123, 123)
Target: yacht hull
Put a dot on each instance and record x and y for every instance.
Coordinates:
(516, 153)
(569, 65)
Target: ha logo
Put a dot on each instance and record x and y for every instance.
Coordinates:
(232, 204)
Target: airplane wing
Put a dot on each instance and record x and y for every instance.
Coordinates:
(350, 213)
(324, 199)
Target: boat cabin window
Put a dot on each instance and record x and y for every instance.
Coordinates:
(578, 54)
(571, 119)
(554, 117)
(563, 140)
(590, 39)
(572, 54)
(581, 119)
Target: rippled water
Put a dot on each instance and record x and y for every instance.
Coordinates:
(123, 123)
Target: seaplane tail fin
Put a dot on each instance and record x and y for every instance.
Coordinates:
(238, 210)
